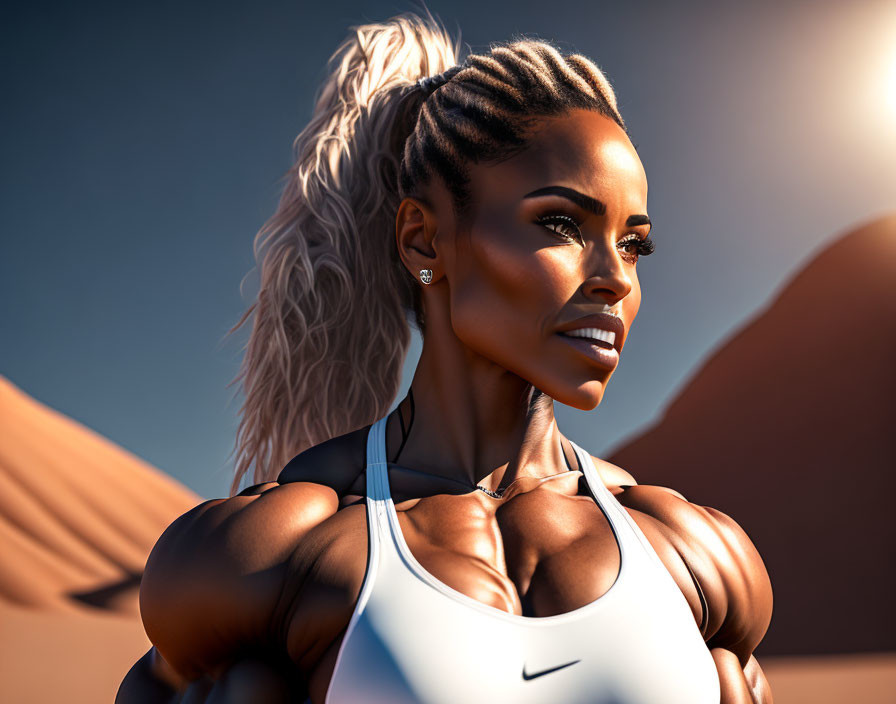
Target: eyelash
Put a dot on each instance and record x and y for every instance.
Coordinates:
(645, 246)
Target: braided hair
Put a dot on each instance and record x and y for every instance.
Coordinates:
(330, 324)
(480, 111)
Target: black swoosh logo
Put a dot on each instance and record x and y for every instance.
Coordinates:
(533, 675)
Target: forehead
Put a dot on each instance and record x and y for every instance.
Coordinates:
(584, 150)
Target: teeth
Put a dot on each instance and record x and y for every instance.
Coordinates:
(593, 334)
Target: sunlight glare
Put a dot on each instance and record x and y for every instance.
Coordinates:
(891, 83)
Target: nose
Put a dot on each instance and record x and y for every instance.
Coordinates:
(609, 280)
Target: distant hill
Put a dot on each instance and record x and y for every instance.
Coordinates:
(790, 428)
(78, 517)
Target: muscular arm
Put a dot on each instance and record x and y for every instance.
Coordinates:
(726, 582)
(740, 685)
(213, 584)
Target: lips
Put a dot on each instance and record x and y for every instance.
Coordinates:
(604, 321)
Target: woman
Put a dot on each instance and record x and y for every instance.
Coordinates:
(498, 561)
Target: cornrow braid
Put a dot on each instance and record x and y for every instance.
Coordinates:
(481, 110)
(430, 84)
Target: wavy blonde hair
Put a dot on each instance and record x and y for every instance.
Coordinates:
(330, 324)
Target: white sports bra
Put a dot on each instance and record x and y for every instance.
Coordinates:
(412, 638)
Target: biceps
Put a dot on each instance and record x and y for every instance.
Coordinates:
(740, 685)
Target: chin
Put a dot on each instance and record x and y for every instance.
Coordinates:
(586, 397)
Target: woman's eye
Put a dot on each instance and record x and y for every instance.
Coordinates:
(563, 225)
(637, 247)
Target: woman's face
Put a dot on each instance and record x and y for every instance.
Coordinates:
(552, 241)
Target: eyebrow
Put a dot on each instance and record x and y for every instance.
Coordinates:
(585, 202)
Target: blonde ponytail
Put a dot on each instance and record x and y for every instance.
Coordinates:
(329, 327)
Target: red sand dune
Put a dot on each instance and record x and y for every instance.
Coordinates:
(78, 515)
(788, 428)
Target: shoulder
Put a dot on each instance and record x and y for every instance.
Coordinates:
(614, 477)
(336, 463)
(726, 570)
(214, 579)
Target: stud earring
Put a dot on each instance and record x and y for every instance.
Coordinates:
(426, 275)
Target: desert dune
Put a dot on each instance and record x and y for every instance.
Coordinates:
(78, 517)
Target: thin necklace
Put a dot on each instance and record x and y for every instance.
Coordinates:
(498, 494)
(406, 432)
(494, 494)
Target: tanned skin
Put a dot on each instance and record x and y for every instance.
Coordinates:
(249, 598)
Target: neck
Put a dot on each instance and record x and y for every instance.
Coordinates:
(475, 422)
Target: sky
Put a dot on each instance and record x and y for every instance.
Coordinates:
(143, 145)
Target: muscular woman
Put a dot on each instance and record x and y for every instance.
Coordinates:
(460, 548)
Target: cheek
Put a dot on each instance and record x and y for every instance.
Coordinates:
(630, 305)
(506, 292)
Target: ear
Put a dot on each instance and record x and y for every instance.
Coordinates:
(415, 231)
